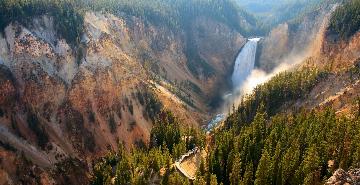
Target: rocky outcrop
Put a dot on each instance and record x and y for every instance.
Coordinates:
(73, 103)
(293, 41)
(341, 87)
(339, 55)
(215, 43)
(341, 177)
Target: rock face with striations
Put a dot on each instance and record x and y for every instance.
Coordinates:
(293, 41)
(61, 101)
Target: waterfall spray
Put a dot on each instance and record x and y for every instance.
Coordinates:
(244, 65)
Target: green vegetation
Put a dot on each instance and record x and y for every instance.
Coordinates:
(152, 105)
(355, 70)
(177, 15)
(286, 149)
(270, 13)
(137, 167)
(195, 63)
(191, 86)
(181, 90)
(67, 14)
(345, 21)
(168, 133)
(281, 89)
(141, 165)
(258, 145)
(312, 11)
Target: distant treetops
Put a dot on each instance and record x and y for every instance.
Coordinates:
(345, 21)
(68, 14)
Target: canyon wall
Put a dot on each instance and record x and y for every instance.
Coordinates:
(293, 41)
(61, 102)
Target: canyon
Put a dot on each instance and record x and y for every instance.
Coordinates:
(62, 107)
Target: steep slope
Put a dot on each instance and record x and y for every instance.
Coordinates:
(273, 12)
(340, 56)
(297, 128)
(65, 105)
(295, 40)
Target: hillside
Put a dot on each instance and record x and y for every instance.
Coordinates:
(295, 39)
(270, 13)
(297, 128)
(69, 95)
(301, 126)
(116, 92)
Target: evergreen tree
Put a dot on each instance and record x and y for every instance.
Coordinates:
(290, 163)
(123, 172)
(263, 175)
(199, 181)
(235, 176)
(311, 166)
(177, 179)
(248, 176)
(202, 170)
(213, 180)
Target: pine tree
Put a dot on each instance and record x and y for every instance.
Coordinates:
(235, 176)
(123, 172)
(177, 179)
(179, 149)
(102, 174)
(290, 163)
(199, 181)
(311, 166)
(202, 170)
(213, 180)
(356, 154)
(262, 176)
(248, 176)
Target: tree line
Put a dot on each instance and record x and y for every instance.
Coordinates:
(153, 163)
(273, 95)
(68, 14)
(302, 148)
(177, 15)
(258, 145)
(345, 21)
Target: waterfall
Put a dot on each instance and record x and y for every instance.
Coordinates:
(244, 63)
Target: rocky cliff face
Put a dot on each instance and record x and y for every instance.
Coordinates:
(59, 101)
(342, 177)
(296, 40)
(341, 87)
(309, 43)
